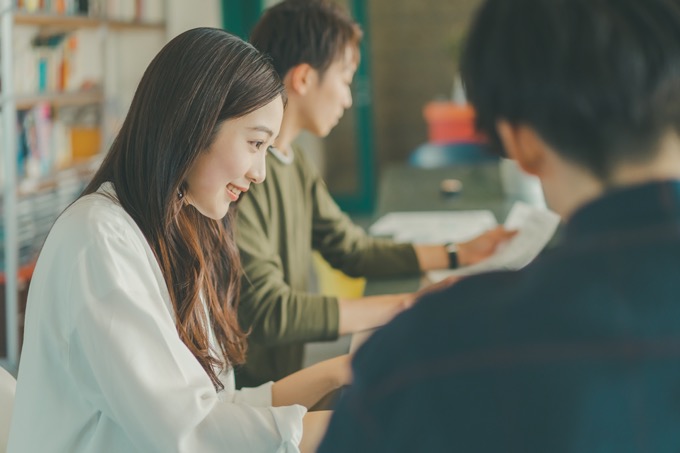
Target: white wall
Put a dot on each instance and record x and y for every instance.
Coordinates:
(130, 52)
(183, 15)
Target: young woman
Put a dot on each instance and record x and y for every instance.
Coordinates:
(131, 332)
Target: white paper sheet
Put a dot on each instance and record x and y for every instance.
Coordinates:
(535, 228)
(433, 227)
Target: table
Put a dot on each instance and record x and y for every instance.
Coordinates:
(405, 188)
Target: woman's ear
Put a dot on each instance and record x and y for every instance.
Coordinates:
(523, 144)
(299, 78)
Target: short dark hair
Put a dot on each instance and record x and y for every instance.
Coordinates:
(599, 80)
(315, 32)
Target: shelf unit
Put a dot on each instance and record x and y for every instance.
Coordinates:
(14, 192)
(60, 22)
(59, 99)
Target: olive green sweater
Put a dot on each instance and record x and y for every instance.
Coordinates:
(280, 223)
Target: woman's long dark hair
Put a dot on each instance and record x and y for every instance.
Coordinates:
(200, 79)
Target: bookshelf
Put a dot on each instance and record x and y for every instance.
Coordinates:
(68, 72)
(64, 22)
(58, 99)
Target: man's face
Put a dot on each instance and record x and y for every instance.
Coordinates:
(329, 94)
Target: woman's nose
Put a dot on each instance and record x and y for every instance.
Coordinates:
(258, 171)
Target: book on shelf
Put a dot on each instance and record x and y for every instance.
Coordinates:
(51, 139)
(150, 11)
(56, 63)
(36, 213)
(147, 11)
(64, 7)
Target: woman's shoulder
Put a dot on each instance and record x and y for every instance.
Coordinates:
(93, 216)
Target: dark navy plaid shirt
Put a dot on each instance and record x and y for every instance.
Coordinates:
(578, 352)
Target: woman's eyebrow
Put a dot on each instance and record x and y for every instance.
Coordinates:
(264, 129)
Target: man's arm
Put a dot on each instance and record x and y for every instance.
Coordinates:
(269, 306)
(431, 257)
(348, 248)
(275, 312)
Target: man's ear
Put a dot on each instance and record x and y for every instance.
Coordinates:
(299, 78)
(523, 144)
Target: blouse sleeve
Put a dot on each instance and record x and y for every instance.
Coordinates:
(127, 358)
(255, 396)
(262, 397)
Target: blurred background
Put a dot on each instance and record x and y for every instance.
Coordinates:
(409, 58)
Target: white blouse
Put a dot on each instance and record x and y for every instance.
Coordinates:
(103, 368)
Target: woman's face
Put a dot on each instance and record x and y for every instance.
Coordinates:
(235, 160)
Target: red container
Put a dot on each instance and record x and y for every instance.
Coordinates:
(448, 122)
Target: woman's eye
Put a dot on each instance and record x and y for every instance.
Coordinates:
(258, 144)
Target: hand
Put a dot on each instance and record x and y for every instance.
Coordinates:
(357, 315)
(342, 366)
(483, 246)
(309, 385)
(434, 287)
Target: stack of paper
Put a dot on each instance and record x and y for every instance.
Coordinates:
(535, 227)
(436, 227)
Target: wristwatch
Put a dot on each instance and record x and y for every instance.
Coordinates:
(452, 250)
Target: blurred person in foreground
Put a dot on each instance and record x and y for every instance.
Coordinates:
(579, 351)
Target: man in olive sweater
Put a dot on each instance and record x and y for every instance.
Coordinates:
(314, 46)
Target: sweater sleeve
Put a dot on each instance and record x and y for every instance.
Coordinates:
(275, 313)
(348, 248)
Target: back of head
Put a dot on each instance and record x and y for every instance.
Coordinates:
(315, 32)
(599, 80)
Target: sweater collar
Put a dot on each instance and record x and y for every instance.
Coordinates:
(286, 159)
(628, 208)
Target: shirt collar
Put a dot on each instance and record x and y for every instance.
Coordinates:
(628, 208)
